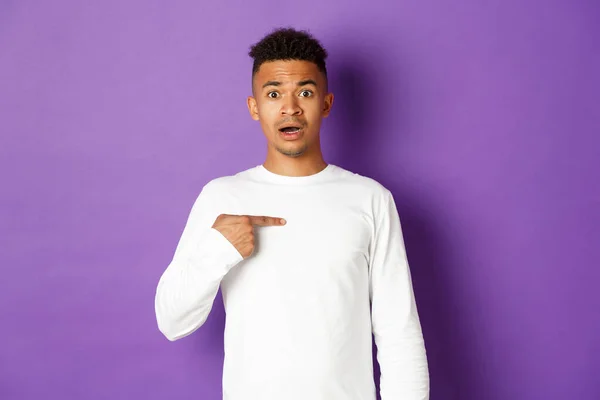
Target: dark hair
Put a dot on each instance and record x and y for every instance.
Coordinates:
(288, 44)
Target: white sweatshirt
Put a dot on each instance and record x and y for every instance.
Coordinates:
(301, 309)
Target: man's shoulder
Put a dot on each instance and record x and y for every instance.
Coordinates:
(363, 183)
(226, 182)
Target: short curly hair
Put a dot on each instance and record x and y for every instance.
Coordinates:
(288, 44)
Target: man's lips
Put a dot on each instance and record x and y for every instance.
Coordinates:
(289, 124)
(291, 135)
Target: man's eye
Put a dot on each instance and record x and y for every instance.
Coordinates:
(305, 93)
(272, 95)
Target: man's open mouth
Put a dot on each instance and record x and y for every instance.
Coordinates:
(289, 129)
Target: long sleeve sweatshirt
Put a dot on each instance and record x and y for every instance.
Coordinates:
(300, 311)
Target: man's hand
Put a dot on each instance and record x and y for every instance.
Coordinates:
(239, 229)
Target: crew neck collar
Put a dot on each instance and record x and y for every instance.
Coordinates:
(269, 176)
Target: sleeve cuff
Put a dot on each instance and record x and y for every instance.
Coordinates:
(222, 251)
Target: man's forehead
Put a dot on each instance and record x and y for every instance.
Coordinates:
(287, 72)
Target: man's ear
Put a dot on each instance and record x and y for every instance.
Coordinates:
(252, 108)
(328, 103)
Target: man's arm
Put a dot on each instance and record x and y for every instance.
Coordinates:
(396, 327)
(187, 288)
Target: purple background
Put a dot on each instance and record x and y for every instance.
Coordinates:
(481, 117)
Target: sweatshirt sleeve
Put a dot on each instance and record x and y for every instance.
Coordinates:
(395, 322)
(187, 288)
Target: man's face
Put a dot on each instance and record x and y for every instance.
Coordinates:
(290, 96)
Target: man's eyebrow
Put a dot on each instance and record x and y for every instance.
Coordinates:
(271, 83)
(307, 82)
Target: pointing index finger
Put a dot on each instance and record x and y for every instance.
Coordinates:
(266, 221)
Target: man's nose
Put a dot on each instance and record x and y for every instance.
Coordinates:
(290, 106)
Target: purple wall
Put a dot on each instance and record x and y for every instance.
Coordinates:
(481, 117)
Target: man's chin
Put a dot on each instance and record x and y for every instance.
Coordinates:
(292, 152)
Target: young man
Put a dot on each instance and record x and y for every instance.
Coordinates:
(309, 256)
